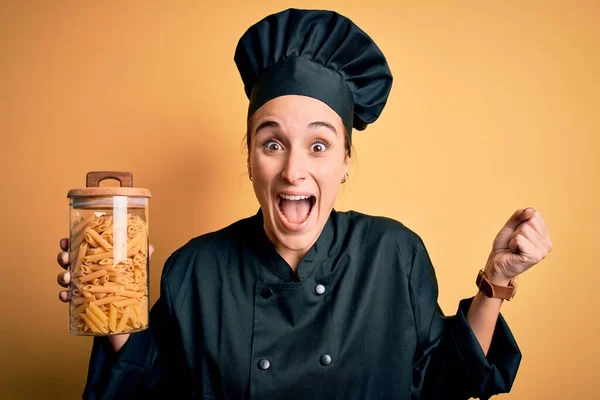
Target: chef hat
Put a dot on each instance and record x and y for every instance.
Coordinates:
(315, 53)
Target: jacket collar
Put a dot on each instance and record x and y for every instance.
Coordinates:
(270, 258)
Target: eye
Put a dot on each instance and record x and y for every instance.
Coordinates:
(319, 146)
(271, 145)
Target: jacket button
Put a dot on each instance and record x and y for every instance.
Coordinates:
(325, 359)
(264, 364)
(266, 293)
(319, 289)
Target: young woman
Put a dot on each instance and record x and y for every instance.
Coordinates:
(300, 301)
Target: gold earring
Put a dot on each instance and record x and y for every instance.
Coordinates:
(250, 175)
(345, 177)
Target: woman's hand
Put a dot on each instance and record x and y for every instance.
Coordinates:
(117, 341)
(523, 242)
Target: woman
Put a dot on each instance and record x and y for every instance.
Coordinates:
(301, 301)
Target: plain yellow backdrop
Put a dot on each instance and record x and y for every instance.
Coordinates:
(495, 106)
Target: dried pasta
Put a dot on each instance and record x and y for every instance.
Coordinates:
(108, 297)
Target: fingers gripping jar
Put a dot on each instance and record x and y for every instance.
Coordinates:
(109, 260)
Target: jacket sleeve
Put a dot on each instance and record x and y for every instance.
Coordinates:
(148, 365)
(449, 362)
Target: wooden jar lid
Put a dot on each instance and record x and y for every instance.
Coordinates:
(93, 189)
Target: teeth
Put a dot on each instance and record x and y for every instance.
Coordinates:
(288, 197)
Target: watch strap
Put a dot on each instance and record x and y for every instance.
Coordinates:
(496, 291)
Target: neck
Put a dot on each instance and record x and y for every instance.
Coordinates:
(292, 257)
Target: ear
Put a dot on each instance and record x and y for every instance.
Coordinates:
(248, 161)
(346, 165)
(345, 169)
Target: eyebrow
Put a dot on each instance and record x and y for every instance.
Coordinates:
(267, 124)
(312, 125)
(318, 124)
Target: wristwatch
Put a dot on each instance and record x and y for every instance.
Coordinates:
(497, 291)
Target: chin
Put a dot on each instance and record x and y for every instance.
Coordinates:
(296, 242)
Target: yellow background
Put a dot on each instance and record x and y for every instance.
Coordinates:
(495, 106)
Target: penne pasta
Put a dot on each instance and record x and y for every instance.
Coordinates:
(144, 311)
(105, 225)
(78, 227)
(131, 286)
(103, 289)
(98, 312)
(125, 303)
(95, 320)
(99, 239)
(133, 316)
(93, 327)
(124, 319)
(77, 283)
(80, 309)
(109, 299)
(130, 293)
(81, 300)
(135, 241)
(92, 276)
(108, 267)
(90, 240)
(99, 257)
(112, 318)
(131, 252)
(144, 242)
(80, 255)
(120, 280)
(109, 237)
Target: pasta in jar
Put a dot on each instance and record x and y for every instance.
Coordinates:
(109, 293)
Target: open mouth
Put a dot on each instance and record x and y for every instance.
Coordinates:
(295, 209)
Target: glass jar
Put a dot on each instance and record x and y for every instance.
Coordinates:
(109, 259)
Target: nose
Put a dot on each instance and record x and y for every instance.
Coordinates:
(295, 169)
